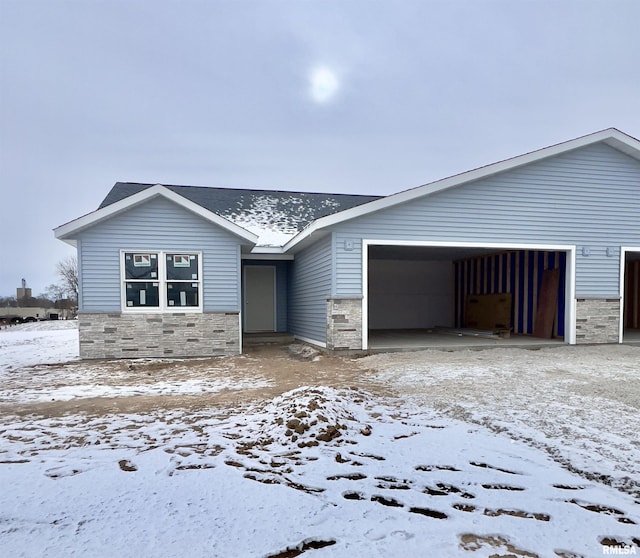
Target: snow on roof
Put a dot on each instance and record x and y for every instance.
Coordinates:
(276, 220)
(275, 216)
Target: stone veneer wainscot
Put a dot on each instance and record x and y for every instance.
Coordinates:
(344, 323)
(597, 320)
(117, 335)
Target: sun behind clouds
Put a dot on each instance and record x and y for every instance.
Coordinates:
(323, 84)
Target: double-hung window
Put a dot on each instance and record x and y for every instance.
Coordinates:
(160, 281)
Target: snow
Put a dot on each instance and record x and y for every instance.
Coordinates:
(267, 236)
(436, 468)
(67, 393)
(37, 343)
(557, 399)
(275, 221)
(26, 374)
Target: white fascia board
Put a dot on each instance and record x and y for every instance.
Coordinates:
(65, 231)
(267, 250)
(611, 136)
(267, 257)
(209, 215)
(622, 142)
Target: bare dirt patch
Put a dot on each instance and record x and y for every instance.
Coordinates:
(263, 373)
(572, 402)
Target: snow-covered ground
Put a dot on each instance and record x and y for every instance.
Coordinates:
(580, 404)
(38, 343)
(438, 469)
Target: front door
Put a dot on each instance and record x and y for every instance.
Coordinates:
(259, 298)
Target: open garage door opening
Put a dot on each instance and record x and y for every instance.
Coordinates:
(422, 296)
(631, 296)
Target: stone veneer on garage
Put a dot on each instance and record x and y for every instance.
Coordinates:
(597, 320)
(116, 335)
(344, 323)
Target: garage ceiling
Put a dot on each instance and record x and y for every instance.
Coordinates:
(440, 253)
(427, 253)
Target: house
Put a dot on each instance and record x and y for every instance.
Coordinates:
(184, 271)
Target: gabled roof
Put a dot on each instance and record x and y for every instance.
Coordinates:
(68, 231)
(611, 136)
(274, 216)
(277, 221)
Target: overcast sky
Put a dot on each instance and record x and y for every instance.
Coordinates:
(349, 96)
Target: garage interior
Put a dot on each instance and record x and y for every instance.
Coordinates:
(631, 311)
(428, 297)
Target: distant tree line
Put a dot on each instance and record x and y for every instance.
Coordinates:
(63, 294)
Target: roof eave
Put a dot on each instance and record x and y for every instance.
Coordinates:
(611, 136)
(67, 231)
(267, 250)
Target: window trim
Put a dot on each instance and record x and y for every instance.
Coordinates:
(163, 307)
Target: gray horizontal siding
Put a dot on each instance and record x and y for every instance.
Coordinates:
(80, 281)
(587, 197)
(309, 288)
(158, 225)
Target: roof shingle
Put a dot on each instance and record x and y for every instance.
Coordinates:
(274, 215)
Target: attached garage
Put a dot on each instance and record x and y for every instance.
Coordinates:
(424, 291)
(545, 231)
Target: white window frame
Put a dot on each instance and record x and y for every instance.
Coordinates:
(162, 281)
